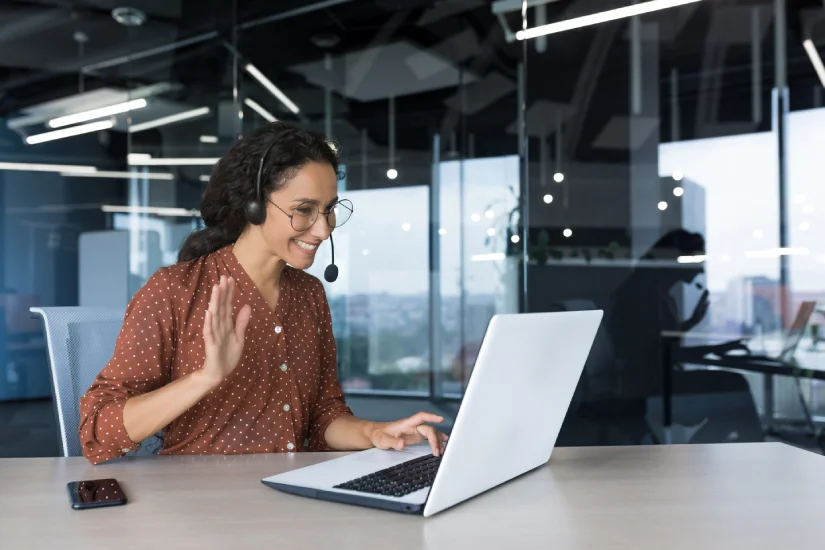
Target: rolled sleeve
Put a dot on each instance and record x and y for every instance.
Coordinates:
(107, 433)
(140, 363)
(330, 403)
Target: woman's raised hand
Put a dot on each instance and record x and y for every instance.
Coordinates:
(223, 336)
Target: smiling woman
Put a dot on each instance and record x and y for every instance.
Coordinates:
(231, 349)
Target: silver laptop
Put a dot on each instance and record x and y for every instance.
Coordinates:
(516, 400)
(790, 342)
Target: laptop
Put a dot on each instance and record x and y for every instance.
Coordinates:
(516, 400)
(790, 343)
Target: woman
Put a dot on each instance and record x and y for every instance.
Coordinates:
(231, 350)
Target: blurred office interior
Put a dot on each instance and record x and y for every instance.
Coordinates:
(666, 168)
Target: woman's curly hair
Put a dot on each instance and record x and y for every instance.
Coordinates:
(232, 184)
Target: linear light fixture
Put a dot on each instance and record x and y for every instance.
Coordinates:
(272, 88)
(255, 106)
(695, 259)
(209, 139)
(491, 257)
(156, 210)
(776, 252)
(69, 132)
(138, 159)
(163, 121)
(121, 175)
(601, 17)
(34, 167)
(816, 61)
(101, 112)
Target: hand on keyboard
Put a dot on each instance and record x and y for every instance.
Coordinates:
(409, 431)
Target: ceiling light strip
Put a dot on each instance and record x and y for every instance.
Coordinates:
(35, 167)
(121, 175)
(163, 121)
(69, 132)
(156, 210)
(601, 17)
(255, 106)
(253, 71)
(816, 60)
(92, 114)
(143, 160)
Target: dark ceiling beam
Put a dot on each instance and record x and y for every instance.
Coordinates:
(309, 8)
(157, 50)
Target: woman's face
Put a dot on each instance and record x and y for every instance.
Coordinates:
(314, 188)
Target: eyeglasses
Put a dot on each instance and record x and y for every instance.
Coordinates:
(306, 214)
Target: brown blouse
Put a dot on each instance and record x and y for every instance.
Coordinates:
(283, 392)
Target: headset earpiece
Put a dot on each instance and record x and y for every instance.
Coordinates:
(255, 210)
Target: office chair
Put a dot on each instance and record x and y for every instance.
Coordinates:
(80, 341)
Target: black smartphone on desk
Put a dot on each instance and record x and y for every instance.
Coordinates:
(95, 493)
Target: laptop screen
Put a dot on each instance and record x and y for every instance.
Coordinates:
(797, 330)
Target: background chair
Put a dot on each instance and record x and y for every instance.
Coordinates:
(598, 400)
(80, 341)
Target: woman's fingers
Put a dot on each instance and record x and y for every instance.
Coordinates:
(423, 417)
(230, 300)
(432, 436)
(227, 303)
(386, 441)
(221, 316)
(214, 298)
(208, 337)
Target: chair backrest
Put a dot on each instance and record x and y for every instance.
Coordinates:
(80, 341)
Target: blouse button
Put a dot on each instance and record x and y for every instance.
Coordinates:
(290, 446)
(283, 367)
(278, 329)
(286, 407)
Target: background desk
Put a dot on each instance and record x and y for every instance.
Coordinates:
(745, 496)
(809, 363)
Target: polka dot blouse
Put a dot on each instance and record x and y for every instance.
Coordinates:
(283, 392)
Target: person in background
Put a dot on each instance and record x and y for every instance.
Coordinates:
(641, 309)
(231, 350)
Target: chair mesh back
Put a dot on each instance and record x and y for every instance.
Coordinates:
(81, 340)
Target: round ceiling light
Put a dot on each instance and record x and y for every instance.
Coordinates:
(325, 39)
(129, 17)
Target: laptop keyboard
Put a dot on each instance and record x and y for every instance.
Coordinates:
(400, 480)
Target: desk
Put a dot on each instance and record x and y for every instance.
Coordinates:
(750, 496)
(808, 363)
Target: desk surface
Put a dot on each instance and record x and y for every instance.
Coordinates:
(749, 496)
(810, 359)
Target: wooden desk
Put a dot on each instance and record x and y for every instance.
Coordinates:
(753, 496)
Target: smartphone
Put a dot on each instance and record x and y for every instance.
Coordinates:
(95, 493)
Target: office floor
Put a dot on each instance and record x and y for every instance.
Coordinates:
(29, 428)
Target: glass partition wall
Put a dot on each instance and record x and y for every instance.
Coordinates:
(422, 105)
(659, 167)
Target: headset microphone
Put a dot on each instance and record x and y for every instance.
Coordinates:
(331, 272)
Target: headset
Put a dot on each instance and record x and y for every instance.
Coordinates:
(255, 212)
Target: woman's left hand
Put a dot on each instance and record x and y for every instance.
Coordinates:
(397, 435)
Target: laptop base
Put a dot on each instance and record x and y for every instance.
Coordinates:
(356, 500)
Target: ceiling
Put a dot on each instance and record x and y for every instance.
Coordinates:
(447, 64)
